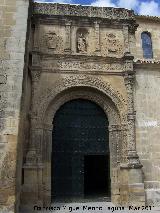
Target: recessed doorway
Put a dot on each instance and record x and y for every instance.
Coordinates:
(96, 176)
(80, 136)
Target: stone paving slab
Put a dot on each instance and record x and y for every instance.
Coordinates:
(94, 207)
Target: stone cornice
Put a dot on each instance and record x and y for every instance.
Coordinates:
(85, 11)
(147, 63)
(151, 18)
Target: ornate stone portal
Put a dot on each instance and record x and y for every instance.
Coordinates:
(80, 69)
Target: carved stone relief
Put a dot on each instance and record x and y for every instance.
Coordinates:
(8, 171)
(53, 42)
(70, 81)
(82, 40)
(78, 10)
(68, 65)
(111, 46)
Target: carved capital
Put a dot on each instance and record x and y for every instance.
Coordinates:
(132, 116)
(35, 75)
(68, 22)
(128, 66)
(31, 158)
(113, 128)
(129, 80)
(133, 27)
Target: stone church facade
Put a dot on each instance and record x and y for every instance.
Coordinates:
(52, 54)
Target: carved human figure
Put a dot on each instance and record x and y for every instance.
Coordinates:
(81, 43)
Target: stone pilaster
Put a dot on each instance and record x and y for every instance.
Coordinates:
(115, 148)
(126, 39)
(68, 36)
(133, 159)
(36, 33)
(97, 36)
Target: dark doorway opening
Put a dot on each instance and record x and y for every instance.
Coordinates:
(96, 176)
(80, 136)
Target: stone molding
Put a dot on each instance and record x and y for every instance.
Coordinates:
(86, 11)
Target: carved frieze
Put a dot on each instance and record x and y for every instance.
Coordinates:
(62, 65)
(111, 46)
(78, 10)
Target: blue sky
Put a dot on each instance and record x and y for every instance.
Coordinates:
(143, 7)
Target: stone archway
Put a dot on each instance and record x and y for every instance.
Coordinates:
(45, 106)
(115, 133)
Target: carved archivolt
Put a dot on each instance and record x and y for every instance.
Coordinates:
(74, 81)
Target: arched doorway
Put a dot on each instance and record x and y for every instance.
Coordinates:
(80, 151)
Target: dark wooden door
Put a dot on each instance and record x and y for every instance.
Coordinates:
(80, 129)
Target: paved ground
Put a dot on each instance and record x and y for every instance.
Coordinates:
(93, 207)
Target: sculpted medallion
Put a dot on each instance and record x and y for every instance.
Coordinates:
(112, 46)
(53, 41)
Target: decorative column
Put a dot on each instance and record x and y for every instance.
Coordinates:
(97, 36)
(133, 158)
(68, 35)
(131, 175)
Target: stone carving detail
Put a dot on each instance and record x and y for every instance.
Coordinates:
(42, 102)
(82, 66)
(68, 35)
(74, 10)
(133, 159)
(97, 37)
(112, 46)
(8, 169)
(53, 42)
(82, 42)
(31, 158)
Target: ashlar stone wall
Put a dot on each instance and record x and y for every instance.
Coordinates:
(13, 27)
(147, 101)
